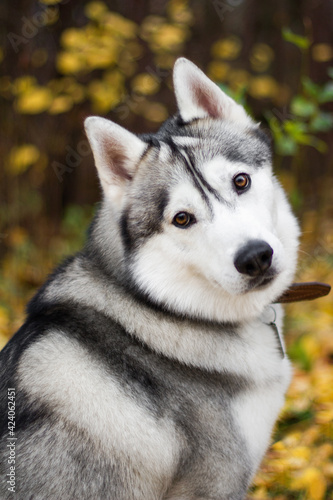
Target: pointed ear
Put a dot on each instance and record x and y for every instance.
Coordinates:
(198, 97)
(116, 152)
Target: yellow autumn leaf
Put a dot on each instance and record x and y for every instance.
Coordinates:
(165, 61)
(101, 58)
(292, 439)
(17, 236)
(128, 68)
(50, 2)
(179, 11)
(155, 112)
(4, 337)
(34, 101)
(119, 25)
(51, 16)
(323, 453)
(310, 436)
(76, 91)
(4, 322)
(313, 481)
(322, 378)
(73, 38)
(278, 446)
(22, 157)
(238, 78)
(262, 87)
(261, 493)
(61, 104)
(328, 470)
(23, 84)
(105, 41)
(115, 78)
(261, 56)
(95, 10)
(132, 50)
(169, 37)
(218, 70)
(299, 456)
(325, 416)
(322, 52)
(145, 84)
(280, 465)
(70, 62)
(311, 346)
(104, 96)
(227, 48)
(150, 25)
(69, 86)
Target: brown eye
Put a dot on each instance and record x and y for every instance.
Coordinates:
(242, 182)
(183, 219)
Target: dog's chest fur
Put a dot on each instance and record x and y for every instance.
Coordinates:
(195, 432)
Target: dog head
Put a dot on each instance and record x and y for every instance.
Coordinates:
(201, 225)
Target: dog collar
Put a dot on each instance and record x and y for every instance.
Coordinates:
(304, 291)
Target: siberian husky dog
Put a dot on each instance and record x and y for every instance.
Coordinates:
(150, 365)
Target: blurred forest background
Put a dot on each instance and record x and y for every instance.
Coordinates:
(62, 60)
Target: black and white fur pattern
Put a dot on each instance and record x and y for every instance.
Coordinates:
(146, 369)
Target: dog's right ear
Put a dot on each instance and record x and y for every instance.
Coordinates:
(116, 152)
(198, 97)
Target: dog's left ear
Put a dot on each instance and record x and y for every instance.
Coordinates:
(117, 153)
(198, 97)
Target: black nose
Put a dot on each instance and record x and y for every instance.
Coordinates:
(254, 258)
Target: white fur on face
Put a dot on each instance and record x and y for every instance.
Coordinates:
(192, 270)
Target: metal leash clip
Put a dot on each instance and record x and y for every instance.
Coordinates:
(273, 325)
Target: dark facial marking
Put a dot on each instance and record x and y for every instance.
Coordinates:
(145, 222)
(125, 234)
(196, 179)
(263, 136)
(203, 181)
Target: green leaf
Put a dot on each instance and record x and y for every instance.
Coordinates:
(297, 132)
(301, 42)
(294, 417)
(286, 146)
(310, 88)
(303, 107)
(320, 145)
(330, 71)
(326, 93)
(296, 129)
(274, 124)
(283, 143)
(299, 355)
(323, 122)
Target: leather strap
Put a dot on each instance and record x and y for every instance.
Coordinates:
(304, 291)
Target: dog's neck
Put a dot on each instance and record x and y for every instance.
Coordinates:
(203, 344)
(198, 343)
